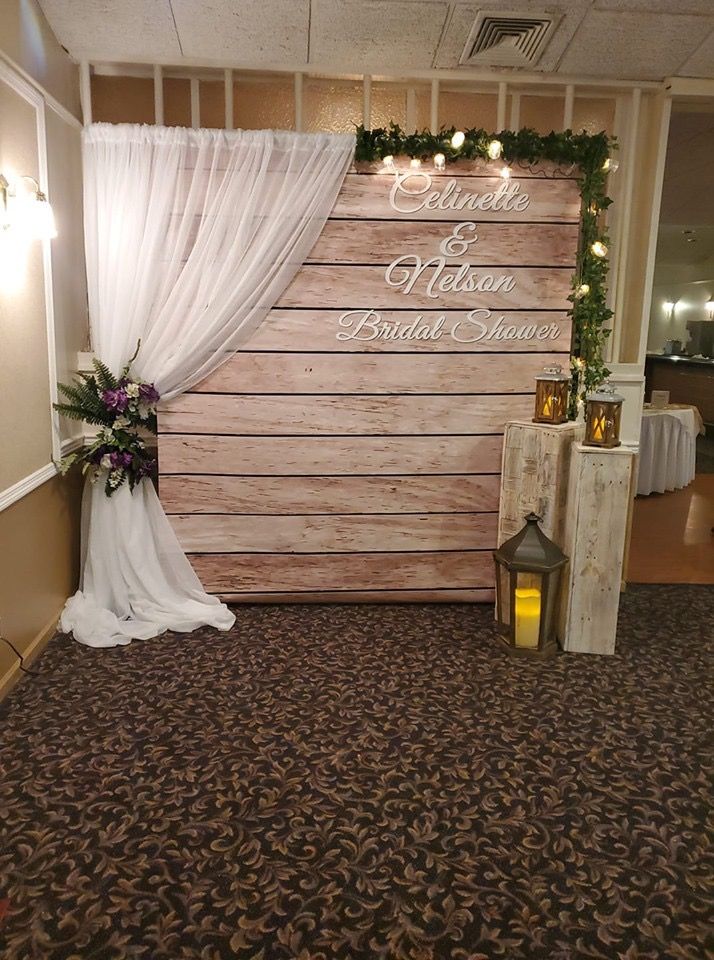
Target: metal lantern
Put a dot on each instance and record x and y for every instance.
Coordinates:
(528, 569)
(603, 410)
(551, 399)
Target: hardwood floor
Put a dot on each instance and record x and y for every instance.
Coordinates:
(672, 539)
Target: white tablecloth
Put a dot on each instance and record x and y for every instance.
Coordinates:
(668, 448)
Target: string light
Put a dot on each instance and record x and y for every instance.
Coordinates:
(599, 249)
(593, 208)
(388, 162)
(458, 140)
(582, 291)
(505, 172)
(495, 149)
(611, 165)
(439, 161)
(415, 163)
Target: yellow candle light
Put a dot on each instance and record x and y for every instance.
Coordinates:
(527, 616)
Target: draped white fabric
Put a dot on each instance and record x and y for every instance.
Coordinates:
(191, 237)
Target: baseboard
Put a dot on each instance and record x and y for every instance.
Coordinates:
(35, 648)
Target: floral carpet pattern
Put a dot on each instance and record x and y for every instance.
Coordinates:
(364, 783)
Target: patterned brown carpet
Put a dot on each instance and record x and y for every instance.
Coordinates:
(365, 782)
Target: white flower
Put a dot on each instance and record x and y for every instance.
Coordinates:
(115, 478)
(106, 462)
(122, 422)
(132, 389)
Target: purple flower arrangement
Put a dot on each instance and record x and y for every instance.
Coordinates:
(123, 408)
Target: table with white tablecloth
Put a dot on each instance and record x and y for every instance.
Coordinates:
(668, 447)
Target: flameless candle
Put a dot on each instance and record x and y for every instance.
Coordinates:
(527, 616)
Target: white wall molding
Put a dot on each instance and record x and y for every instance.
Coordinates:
(62, 112)
(14, 78)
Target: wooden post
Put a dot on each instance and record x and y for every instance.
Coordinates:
(534, 478)
(599, 494)
(367, 101)
(158, 95)
(195, 104)
(85, 92)
(228, 97)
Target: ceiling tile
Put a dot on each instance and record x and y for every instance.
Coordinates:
(643, 46)
(464, 15)
(251, 32)
(701, 62)
(376, 35)
(106, 30)
(657, 6)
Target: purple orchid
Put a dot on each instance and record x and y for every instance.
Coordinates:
(115, 399)
(148, 393)
(121, 459)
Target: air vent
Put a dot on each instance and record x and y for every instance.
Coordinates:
(508, 39)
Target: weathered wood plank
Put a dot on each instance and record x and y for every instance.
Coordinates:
(482, 595)
(304, 416)
(477, 167)
(247, 573)
(354, 287)
(329, 456)
(315, 373)
(363, 197)
(339, 533)
(381, 241)
(322, 495)
(295, 330)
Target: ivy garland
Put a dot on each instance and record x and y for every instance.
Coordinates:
(590, 154)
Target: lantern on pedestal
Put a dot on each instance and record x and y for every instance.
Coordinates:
(551, 399)
(528, 568)
(603, 410)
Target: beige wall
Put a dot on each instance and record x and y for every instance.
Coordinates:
(27, 40)
(43, 323)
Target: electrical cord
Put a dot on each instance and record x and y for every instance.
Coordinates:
(30, 673)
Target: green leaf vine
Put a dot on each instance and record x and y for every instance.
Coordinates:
(587, 157)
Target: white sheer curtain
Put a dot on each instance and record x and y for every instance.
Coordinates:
(191, 236)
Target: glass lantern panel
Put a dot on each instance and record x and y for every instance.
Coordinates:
(504, 594)
(549, 610)
(599, 426)
(528, 609)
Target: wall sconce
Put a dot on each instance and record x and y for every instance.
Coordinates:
(668, 309)
(28, 212)
(709, 307)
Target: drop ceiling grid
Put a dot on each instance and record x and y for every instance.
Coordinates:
(618, 39)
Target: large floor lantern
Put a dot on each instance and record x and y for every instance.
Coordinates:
(528, 568)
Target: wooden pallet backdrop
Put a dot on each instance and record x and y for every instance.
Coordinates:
(311, 466)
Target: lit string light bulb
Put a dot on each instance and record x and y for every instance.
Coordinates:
(598, 249)
(439, 161)
(505, 173)
(388, 162)
(415, 163)
(610, 165)
(458, 140)
(582, 291)
(494, 149)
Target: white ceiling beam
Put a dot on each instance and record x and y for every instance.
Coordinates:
(190, 65)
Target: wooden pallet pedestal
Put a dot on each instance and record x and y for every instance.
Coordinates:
(535, 476)
(599, 494)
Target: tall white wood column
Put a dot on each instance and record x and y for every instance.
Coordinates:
(599, 495)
